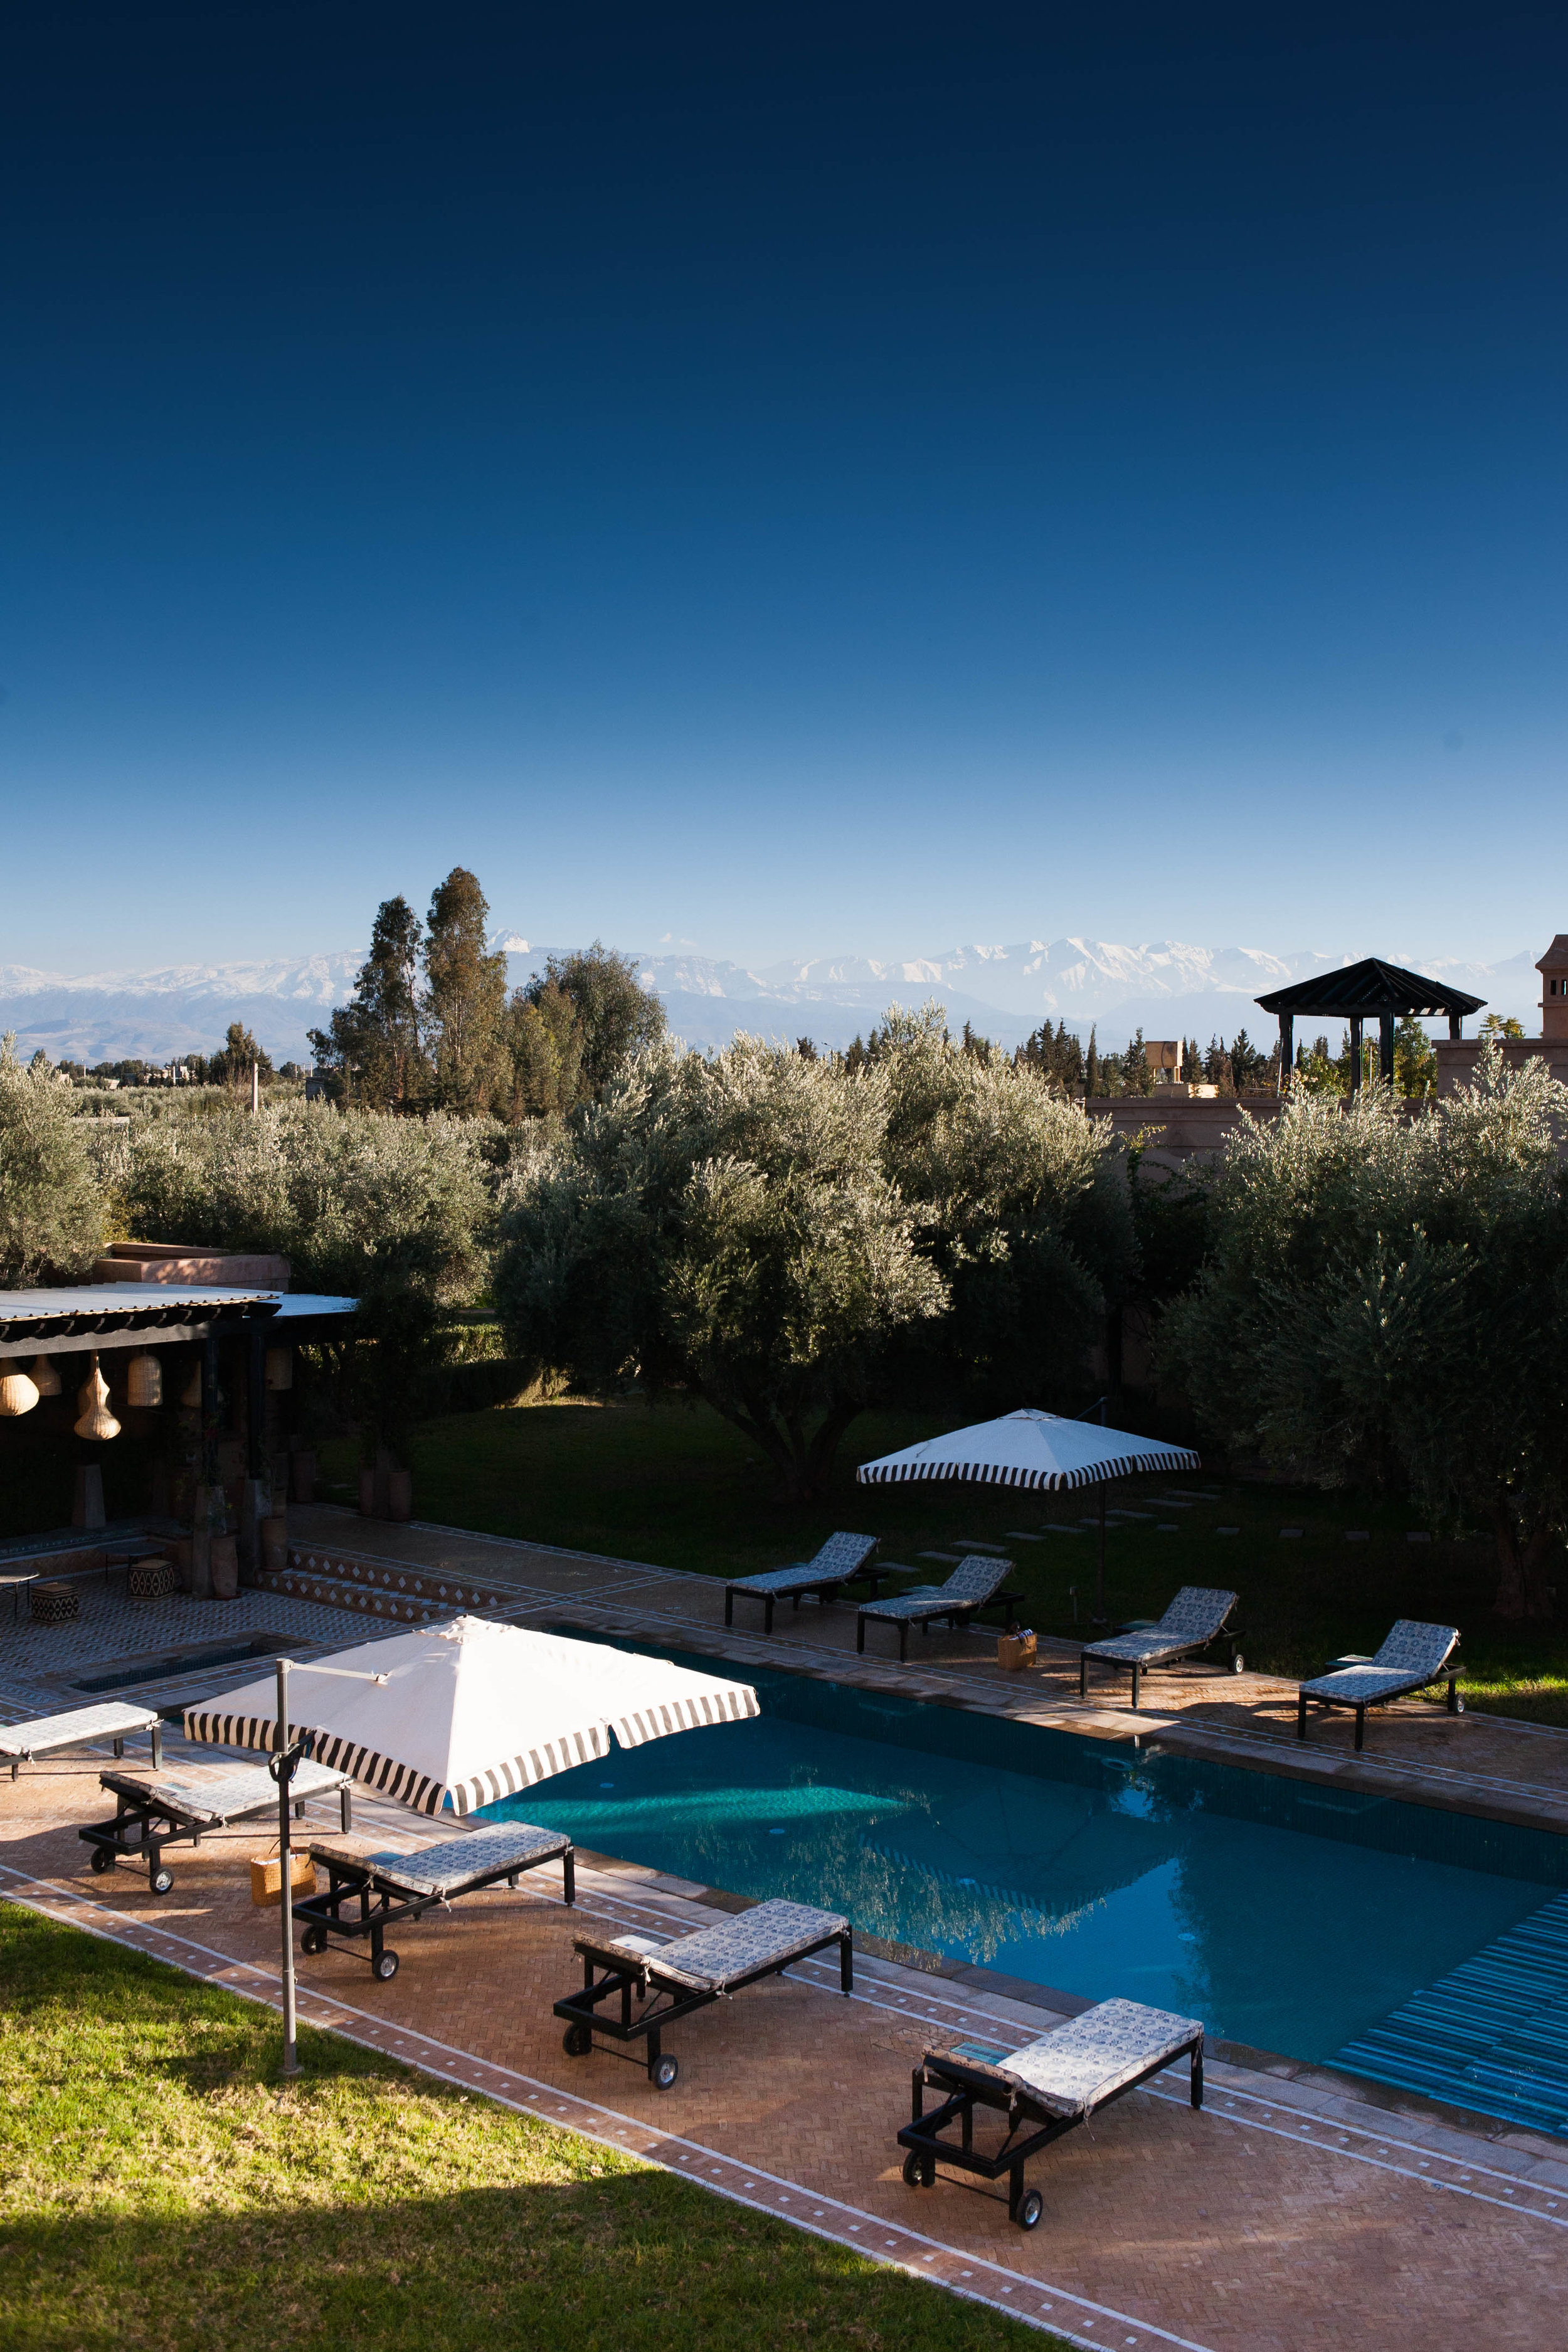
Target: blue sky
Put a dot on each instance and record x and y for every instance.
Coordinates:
(793, 479)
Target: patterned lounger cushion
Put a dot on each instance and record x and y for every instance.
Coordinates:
(1414, 1654)
(226, 1797)
(841, 1556)
(112, 1721)
(1195, 1615)
(1077, 2068)
(971, 1585)
(768, 1936)
(452, 1867)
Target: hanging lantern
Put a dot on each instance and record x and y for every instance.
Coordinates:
(44, 1376)
(144, 1380)
(190, 1394)
(18, 1394)
(279, 1367)
(97, 1421)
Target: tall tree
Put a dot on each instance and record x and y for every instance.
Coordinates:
(619, 1017)
(466, 996)
(1091, 1085)
(231, 1066)
(543, 1040)
(374, 1041)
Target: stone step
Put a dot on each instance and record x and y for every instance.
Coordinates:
(343, 1580)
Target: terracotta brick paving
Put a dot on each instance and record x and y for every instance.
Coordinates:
(1272, 2220)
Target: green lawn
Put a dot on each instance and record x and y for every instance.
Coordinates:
(679, 1488)
(160, 2191)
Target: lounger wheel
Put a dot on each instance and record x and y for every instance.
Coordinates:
(578, 2040)
(1031, 2205)
(663, 2072)
(312, 1941)
(102, 1859)
(161, 1880)
(1237, 1663)
(385, 1965)
(920, 2172)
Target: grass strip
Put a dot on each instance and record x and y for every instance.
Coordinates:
(162, 2192)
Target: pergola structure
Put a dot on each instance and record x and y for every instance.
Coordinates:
(1371, 990)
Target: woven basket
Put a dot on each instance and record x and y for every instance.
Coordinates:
(151, 1580)
(267, 1877)
(1016, 1651)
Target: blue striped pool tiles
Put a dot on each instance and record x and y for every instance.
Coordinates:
(1491, 2035)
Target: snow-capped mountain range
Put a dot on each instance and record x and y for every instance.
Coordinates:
(1165, 988)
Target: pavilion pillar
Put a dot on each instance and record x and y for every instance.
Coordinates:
(1355, 1052)
(1385, 1024)
(1456, 1027)
(1286, 1047)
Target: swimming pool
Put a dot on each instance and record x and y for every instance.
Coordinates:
(1287, 1916)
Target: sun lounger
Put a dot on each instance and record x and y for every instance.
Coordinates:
(1054, 2084)
(21, 1742)
(1194, 1620)
(370, 1889)
(975, 1583)
(157, 1810)
(843, 1559)
(1413, 1656)
(672, 1979)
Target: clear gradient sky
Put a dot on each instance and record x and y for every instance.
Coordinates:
(795, 477)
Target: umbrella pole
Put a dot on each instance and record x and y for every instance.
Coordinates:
(286, 1889)
(1099, 1617)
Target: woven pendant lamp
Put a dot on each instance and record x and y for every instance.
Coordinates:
(44, 1376)
(18, 1395)
(279, 1367)
(144, 1380)
(97, 1421)
(190, 1394)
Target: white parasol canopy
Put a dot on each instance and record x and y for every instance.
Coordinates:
(1030, 1449)
(472, 1710)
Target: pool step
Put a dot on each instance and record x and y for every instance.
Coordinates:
(344, 1579)
(1493, 2035)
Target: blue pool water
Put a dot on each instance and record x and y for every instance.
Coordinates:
(1288, 1916)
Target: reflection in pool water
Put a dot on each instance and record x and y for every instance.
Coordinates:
(1285, 1916)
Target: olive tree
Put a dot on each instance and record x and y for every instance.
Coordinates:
(1384, 1303)
(722, 1228)
(1021, 1202)
(52, 1205)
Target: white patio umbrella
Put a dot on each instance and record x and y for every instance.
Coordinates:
(1034, 1449)
(470, 1711)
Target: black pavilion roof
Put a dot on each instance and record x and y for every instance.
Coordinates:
(1370, 986)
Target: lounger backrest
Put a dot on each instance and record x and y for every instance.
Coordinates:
(1414, 1648)
(1197, 1612)
(843, 1554)
(976, 1578)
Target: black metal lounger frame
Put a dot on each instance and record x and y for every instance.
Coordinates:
(384, 1907)
(1450, 1672)
(1231, 1635)
(966, 2089)
(625, 1977)
(826, 1589)
(134, 1834)
(957, 1614)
